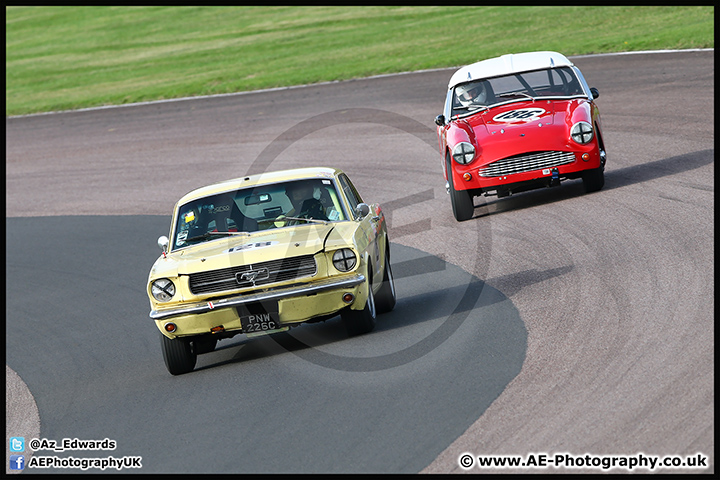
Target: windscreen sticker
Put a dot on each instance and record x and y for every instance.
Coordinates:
(519, 115)
(181, 237)
(220, 208)
(251, 246)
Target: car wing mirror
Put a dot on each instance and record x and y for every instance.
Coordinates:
(362, 210)
(595, 93)
(440, 120)
(163, 243)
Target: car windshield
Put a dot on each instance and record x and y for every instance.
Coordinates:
(472, 96)
(252, 209)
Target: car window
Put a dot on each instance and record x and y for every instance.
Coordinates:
(256, 208)
(351, 193)
(553, 82)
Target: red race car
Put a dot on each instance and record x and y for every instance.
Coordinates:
(516, 123)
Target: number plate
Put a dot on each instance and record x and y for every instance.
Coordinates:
(260, 320)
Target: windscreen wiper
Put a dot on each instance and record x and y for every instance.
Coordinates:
(212, 234)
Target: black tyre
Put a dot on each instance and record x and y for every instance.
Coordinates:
(385, 298)
(178, 355)
(462, 200)
(358, 322)
(594, 179)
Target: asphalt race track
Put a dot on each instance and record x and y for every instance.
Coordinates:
(551, 322)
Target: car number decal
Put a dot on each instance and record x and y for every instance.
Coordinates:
(249, 246)
(519, 115)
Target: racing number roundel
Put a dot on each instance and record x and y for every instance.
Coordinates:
(519, 115)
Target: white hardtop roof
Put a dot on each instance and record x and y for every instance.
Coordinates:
(507, 64)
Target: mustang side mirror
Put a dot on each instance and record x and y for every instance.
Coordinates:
(595, 93)
(440, 120)
(362, 210)
(163, 243)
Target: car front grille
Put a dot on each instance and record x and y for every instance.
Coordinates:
(258, 274)
(526, 163)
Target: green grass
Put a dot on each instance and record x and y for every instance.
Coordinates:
(62, 58)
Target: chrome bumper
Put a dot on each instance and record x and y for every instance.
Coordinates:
(278, 294)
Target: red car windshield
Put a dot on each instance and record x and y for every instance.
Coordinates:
(485, 93)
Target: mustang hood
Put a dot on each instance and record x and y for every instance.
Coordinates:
(254, 248)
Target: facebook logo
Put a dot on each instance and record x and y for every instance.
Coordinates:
(17, 444)
(17, 462)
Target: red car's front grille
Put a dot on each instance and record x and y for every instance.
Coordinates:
(526, 162)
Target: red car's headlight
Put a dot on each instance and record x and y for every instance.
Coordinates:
(582, 133)
(463, 153)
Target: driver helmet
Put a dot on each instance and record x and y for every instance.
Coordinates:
(299, 187)
(471, 94)
(299, 191)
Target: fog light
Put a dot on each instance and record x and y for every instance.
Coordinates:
(585, 157)
(217, 329)
(467, 176)
(170, 327)
(348, 298)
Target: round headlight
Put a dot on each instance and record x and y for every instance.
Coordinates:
(163, 289)
(344, 260)
(463, 153)
(582, 132)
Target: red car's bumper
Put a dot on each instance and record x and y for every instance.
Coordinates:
(525, 171)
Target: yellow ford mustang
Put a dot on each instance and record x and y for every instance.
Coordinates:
(259, 254)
